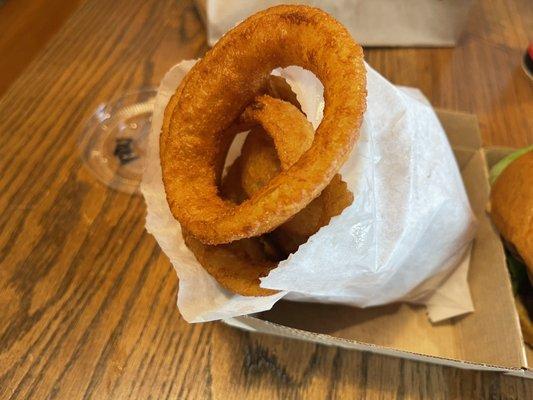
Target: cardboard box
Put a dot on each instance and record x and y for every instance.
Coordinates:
(426, 23)
(487, 339)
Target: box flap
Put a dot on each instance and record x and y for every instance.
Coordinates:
(494, 324)
(493, 154)
(262, 326)
(461, 128)
(455, 125)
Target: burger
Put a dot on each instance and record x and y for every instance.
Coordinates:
(511, 210)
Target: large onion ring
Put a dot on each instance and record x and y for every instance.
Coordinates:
(216, 91)
(239, 265)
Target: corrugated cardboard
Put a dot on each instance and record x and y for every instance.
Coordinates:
(493, 154)
(487, 339)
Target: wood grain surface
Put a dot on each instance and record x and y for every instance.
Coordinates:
(87, 299)
(26, 26)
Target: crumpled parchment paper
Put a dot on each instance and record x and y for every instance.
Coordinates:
(406, 237)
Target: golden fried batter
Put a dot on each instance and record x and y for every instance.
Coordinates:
(216, 90)
(263, 157)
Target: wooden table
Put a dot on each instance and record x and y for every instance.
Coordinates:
(87, 299)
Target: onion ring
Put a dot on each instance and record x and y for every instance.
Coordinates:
(220, 86)
(260, 163)
(237, 266)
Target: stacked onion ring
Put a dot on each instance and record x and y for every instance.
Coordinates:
(225, 93)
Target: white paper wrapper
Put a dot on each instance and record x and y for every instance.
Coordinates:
(371, 22)
(406, 237)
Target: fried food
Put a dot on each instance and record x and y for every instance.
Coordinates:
(221, 85)
(280, 89)
(291, 132)
(331, 202)
(230, 187)
(237, 266)
(263, 157)
(284, 166)
(511, 210)
(259, 163)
